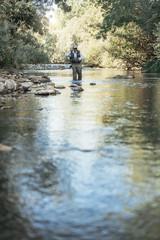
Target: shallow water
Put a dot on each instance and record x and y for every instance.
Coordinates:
(84, 166)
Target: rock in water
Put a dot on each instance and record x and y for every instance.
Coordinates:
(2, 87)
(59, 86)
(77, 89)
(26, 85)
(33, 79)
(123, 77)
(10, 85)
(44, 79)
(4, 148)
(46, 92)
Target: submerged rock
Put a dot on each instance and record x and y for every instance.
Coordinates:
(58, 92)
(74, 85)
(77, 89)
(123, 77)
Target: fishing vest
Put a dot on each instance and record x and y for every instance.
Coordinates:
(74, 60)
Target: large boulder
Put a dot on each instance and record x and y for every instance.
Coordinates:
(2, 87)
(10, 85)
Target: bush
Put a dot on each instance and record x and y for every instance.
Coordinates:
(6, 48)
(30, 54)
(152, 67)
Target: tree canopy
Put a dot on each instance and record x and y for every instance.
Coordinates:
(116, 13)
(19, 21)
(110, 33)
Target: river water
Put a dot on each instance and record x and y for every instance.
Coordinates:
(84, 166)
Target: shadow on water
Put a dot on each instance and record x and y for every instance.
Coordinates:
(84, 165)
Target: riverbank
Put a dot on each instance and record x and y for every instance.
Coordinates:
(14, 84)
(46, 66)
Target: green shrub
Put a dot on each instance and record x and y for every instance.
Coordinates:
(30, 54)
(152, 66)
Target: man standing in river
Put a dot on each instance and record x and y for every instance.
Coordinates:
(76, 58)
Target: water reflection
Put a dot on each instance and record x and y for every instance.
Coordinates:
(84, 165)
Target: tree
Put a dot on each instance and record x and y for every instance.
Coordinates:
(116, 13)
(17, 19)
(130, 45)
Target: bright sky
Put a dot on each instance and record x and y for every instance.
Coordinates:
(51, 14)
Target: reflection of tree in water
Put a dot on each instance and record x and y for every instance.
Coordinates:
(21, 120)
(43, 179)
(148, 112)
(15, 212)
(135, 113)
(12, 224)
(144, 225)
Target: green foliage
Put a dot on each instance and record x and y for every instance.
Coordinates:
(130, 28)
(4, 40)
(20, 20)
(145, 13)
(30, 54)
(129, 44)
(20, 12)
(152, 66)
(50, 45)
(7, 44)
(157, 42)
(62, 4)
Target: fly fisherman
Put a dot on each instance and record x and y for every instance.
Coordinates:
(75, 58)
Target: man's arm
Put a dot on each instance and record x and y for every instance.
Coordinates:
(68, 54)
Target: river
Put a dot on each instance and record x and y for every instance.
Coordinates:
(84, 165)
